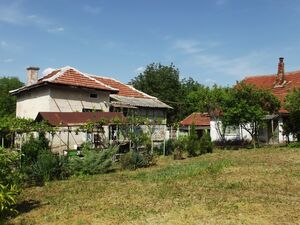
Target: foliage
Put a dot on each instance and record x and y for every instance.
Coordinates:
(10, 178)
(192, 144)
(92, 162)
(162, 82)
(292, 104)
(170, 146)
(294, 144)
(247, 106)
(233, 144)
(7, 101)
(133, 160)
(32, 148)
(180, 145)
(8, 194)
(205, 144)
(48, 167)
(211, 101)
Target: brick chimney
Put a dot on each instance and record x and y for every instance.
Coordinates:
(280, 74)
(32, 75)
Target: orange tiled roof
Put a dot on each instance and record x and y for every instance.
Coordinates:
(124, 89)
(292, 80)
(198, 119)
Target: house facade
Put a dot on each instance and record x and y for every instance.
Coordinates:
(280, 84)
(70, 90)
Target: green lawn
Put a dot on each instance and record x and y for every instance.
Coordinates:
(227, 187)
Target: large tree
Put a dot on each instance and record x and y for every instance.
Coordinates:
(247, 106)
(164, 83)
(210, 100)
(292, 104)
(7, 101)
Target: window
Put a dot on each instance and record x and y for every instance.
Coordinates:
(91, 110)
(93, 95)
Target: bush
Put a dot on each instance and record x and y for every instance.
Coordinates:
(180, 145)
(170, 146)
(92, 162)
(48, 167)
(8, 194)
(133, 160)
(10, 178)
(192, 145)
(32, 148)
(205, 144)
(233, 144)
(294, 145)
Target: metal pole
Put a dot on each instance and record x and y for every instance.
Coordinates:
(68, 141)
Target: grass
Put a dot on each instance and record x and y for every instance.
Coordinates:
(227, 187)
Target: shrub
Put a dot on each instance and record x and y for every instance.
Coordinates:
(133, 160)
(32, 148)
(180, 145)
(170, 146)
(92, 162)
(294, 145)
(8, 194)
(192, 145)
(48, 167)
(205, 144)
(9, 179)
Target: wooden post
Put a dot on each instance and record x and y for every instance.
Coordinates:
(68, 141)
(272, 128)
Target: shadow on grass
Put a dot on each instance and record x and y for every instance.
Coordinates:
(20, 208)
(27, 206)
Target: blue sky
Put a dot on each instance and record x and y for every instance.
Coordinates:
(217, 41)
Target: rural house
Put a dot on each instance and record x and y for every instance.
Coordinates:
(68, 93)
(279, 84)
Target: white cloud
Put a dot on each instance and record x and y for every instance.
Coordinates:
(188, 46)
(139, 70)
(252, 63)
(14, 13)
(3, 44)
(47, 71)
(56, 30)
(8, 60)
(92, 9)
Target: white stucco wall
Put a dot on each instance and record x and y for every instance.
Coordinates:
(32, 102)
(75, 99)
(241, 134)
(59, 99)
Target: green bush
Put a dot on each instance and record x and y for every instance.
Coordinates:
(8, 194)
(133, 160)
(170, 146)
(294, 145)
(32, 148)
(205, 144)
(10, 178)
(92, 162)
(48, 167)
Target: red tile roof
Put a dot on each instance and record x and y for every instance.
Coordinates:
(292, 80)
(198, 119)
(124, 89)
(77, 118)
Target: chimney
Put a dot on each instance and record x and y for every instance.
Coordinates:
(280, 73)
(32, 75)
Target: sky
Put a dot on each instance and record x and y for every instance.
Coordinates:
(212, 41)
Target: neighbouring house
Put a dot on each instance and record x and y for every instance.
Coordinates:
(70, 90)
(279, 84)
(201, 121)
(204, 123)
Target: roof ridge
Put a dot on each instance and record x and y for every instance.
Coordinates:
(66, 68)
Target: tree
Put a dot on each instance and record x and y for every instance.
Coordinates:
(7, 101)
(162, 82)
(211, 101)
(246, 106)
(292, 104)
